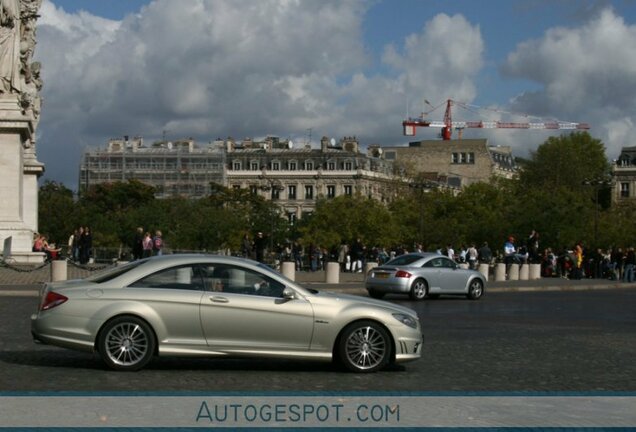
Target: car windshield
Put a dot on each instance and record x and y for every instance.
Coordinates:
(113, 272)
(403, 260)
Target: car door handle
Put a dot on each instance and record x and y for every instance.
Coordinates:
(219, 299)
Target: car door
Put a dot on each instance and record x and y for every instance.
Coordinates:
(243, 310)
(170, 299)
(431, 271)
(451, 278)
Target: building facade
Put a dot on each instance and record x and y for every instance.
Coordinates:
(295, 177)
(624, 176)
(178, 168)
(455, 163)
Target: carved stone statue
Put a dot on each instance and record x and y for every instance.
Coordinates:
(10, 35)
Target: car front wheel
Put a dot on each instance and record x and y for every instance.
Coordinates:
(365, 346)
(418, 290)
(126, 343)
(475, 290)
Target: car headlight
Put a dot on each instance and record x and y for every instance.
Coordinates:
(407, 320)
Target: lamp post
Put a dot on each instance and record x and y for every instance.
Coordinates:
(423, 187)
(275, 187)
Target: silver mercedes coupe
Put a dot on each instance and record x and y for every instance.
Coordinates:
(205, 305)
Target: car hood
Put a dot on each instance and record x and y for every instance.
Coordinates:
(367, 301)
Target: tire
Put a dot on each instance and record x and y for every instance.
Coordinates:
(419, 290)
(376, 294)
(126, 343)
(364, 346)
(475, 289)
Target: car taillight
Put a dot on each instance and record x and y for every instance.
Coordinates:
(403, 274)
(51, 300)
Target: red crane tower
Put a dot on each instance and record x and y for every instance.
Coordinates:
(448, 124)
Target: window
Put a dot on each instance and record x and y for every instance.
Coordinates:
(470, 158)
(183, 278)
(275, 193)
(236, 187)
(309, 166)
(236, 166)
(348, 190)
(331, 166)
(238, 280)
(253, 189)
(624, 190)
(331, 191)
(309, 192)
(275, 166)
(455, 158)
(292, 166)
(348, 166)
(291, 192)
(254, 166)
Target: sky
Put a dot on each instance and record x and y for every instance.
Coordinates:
(304, 69)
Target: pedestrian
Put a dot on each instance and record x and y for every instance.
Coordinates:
(157, 243)
(86, 246)
(259, 247)
(485, 254)
(147, 245)
(138, 246)
(246, 246)
(630, 262)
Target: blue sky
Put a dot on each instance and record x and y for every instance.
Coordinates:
(248, 68)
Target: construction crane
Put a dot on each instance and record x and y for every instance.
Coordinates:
(448, 124)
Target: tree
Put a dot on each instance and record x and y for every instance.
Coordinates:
(56, 212)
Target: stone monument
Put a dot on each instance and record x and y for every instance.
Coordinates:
(20, 103)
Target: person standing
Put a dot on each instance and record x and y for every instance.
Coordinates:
(630, 262)
(157, 243)
(246, 246)
(485, 254)
(147, 245)
(259, 246)
(86, 245)
(138, 246)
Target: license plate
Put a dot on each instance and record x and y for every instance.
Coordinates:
(381, 275)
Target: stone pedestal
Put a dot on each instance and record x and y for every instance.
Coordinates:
(289, 269)
(524, 272)
(19, 171)
(332, 275)
(369, 266)
(500, 272)
(484, 269)
(59, 270)
(535, 272)
(513, 272)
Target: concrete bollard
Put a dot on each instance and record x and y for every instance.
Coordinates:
(500, 272)
(484, 269)
(289, 270)
(535, 271)
(332, 275)
(524, 272)
(513, 272)
(463, 266)
(368, 267)
(59, 270)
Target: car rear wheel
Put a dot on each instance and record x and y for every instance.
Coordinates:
(376, 294)
(126, 343)
(475, 289)
(365, 346)
(418, 290)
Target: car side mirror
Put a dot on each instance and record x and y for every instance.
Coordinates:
(289, 294)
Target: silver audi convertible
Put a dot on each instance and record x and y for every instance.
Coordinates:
(205, 305)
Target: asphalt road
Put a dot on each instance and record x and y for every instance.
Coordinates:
(507, 341)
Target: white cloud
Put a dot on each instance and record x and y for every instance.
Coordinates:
(214, 68)
(587, 74)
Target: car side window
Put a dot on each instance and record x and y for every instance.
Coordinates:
(238, 280)
(182, 277)
(435, 262)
